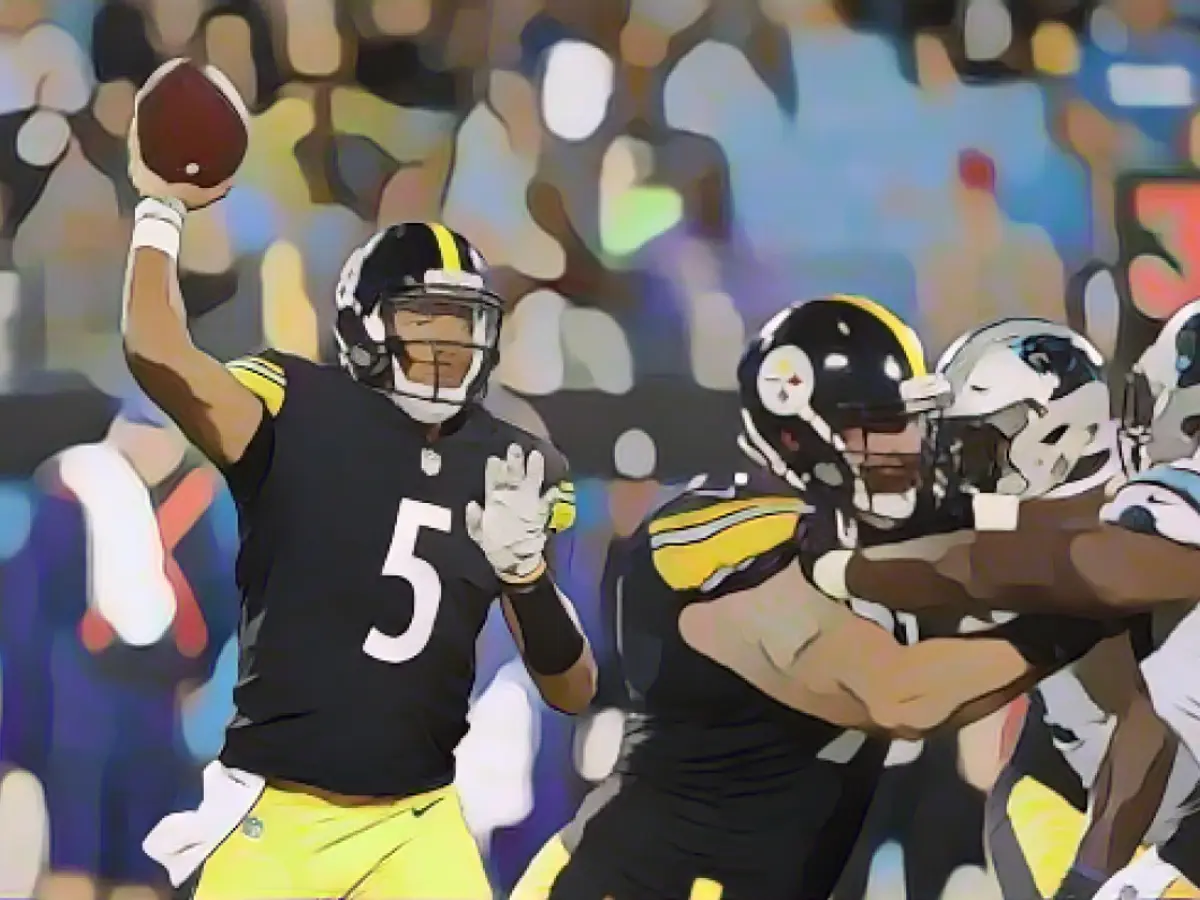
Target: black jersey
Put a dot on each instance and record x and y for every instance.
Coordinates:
(363, 595)
(743, 790)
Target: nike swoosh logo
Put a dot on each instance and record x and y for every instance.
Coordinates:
(419, 811)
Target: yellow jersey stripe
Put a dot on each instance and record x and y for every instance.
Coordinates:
(562, 515)
(268, 390)
(261, 367)
(447, 247)
(694, 565)
(711, 513)
(706, 889)
(264, 362)
(562, 512)
(913, 350)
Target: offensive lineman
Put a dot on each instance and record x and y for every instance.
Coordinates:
(1031, 422)
(756, 699)
(382, 512)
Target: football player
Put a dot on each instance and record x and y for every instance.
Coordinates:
(382, 511)
(1031, 422)
(760, 706)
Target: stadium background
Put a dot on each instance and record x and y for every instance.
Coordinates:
(651, 179)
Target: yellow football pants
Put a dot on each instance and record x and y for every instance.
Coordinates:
(293, 844)
(1048, 830)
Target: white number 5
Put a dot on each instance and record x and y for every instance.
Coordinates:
(403, 562)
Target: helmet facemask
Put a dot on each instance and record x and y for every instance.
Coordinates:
(442, 345)
(416, 320)
(1160, 413)
(890, 453)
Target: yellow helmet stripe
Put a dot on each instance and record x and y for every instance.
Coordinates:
(447, 247)
(907, 338)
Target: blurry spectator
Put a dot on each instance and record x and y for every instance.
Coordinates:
(137, 583)
(992, 269)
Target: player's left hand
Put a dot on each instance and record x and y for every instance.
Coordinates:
(511, 526)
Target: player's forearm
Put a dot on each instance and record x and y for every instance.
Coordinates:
(908, 585)
(1128, 571)
(552, 643)
(947, 681)
(154, 324)
(955, 681)
(1044, 572)
(571, 691)
(1128, 790)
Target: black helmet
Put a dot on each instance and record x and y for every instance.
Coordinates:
(822, 368)
(431, 271)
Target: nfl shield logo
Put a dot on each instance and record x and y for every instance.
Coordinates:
(431, 462)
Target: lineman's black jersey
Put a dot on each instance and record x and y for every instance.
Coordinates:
(698, 726)
(363, 595)
(742, 790)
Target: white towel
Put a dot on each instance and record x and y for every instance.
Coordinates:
(182, 841)
(127, 582)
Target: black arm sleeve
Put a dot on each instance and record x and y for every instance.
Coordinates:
(245, 476)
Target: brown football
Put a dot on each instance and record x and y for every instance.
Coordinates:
(192, 125)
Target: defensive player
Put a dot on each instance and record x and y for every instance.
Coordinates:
(757, 700)
(382, 510)
(1031, 421)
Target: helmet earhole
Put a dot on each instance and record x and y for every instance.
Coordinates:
(1055, 435)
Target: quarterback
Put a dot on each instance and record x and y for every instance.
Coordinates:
(382, 510)
(761, 709)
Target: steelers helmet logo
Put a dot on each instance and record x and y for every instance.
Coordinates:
(785, 382)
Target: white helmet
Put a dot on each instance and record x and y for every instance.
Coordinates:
(1161, 412)
(1030, 401)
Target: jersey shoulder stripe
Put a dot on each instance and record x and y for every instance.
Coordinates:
(562, 511)
(264, 376)
(696, 548)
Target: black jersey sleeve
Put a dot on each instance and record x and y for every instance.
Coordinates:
(264, 375)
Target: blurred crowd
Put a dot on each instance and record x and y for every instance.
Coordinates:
(650, 179)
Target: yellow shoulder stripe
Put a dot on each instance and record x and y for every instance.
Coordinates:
(562, 513)
(906, 337)
(265, 379)
(714, 512)
(691, 548)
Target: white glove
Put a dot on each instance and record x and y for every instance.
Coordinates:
(512, 525)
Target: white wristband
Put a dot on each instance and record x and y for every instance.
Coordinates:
(156, 234)
(158, 224)
(167, 208)
(829, 574)
(996, 512)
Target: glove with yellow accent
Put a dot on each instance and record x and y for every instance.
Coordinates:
(512, 525)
